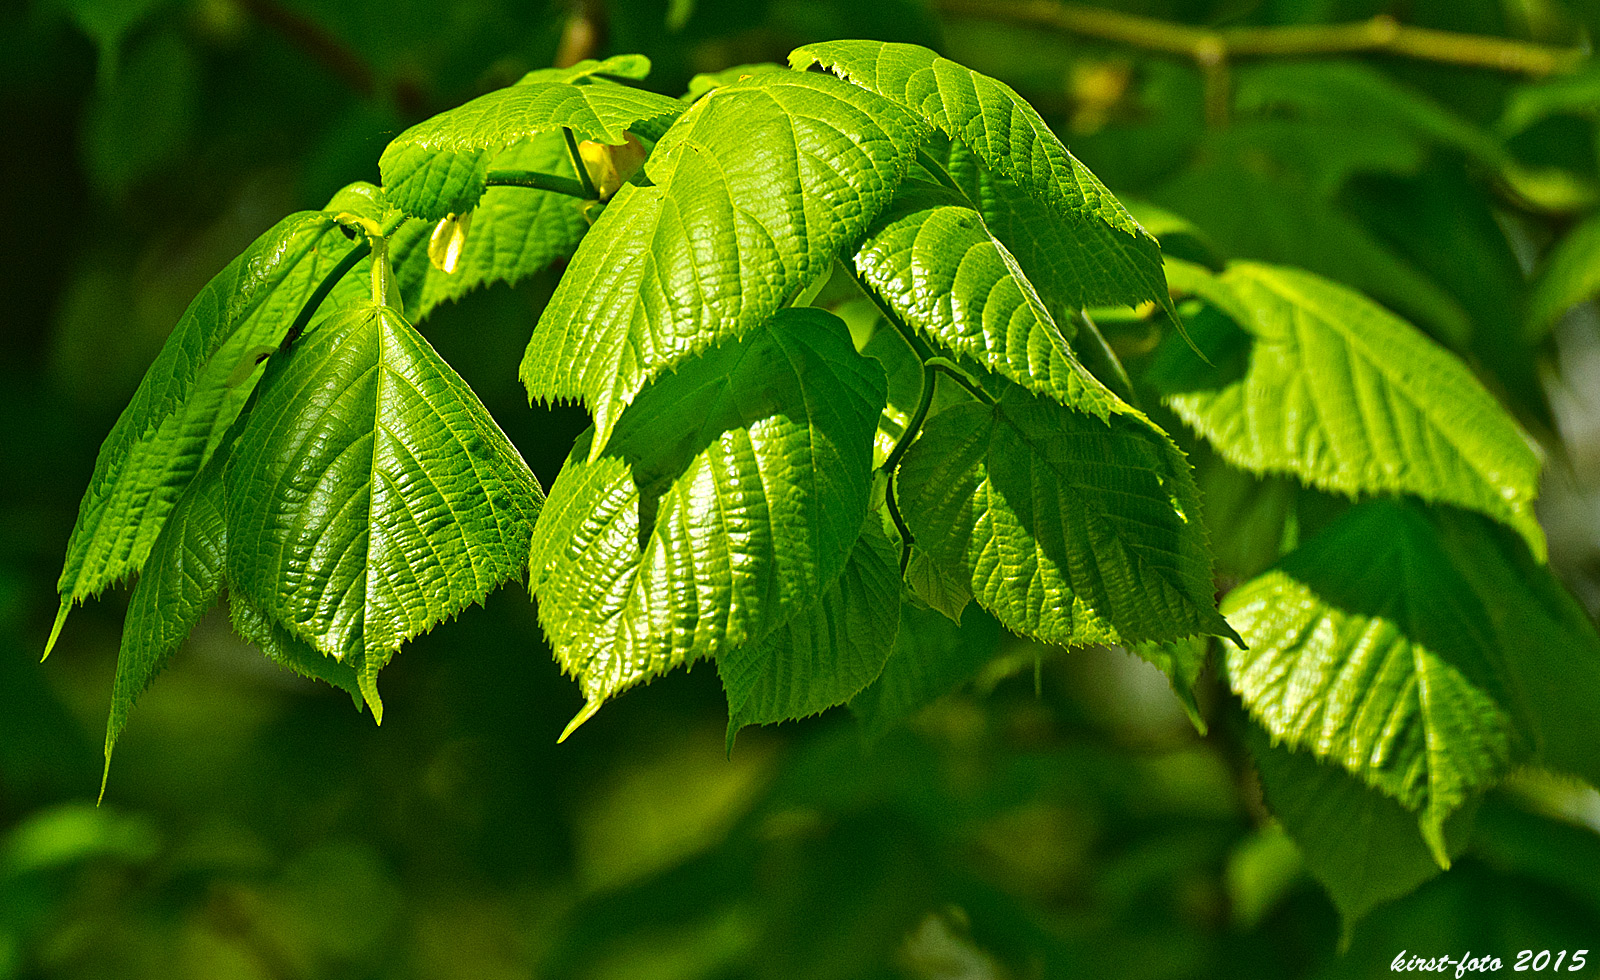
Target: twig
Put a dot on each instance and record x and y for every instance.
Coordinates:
(1212, 49)
(1381, 34)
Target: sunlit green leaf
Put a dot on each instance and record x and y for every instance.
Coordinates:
(1369, 650)
(1107, 259)
(516, 232)
(757, 187)
(730, 497)
(827, 652)
(933, 262)
(370, 494)
(1070, 529)
(439, 166)
(189, 397)
(1344, 395)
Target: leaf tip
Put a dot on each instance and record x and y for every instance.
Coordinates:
(1433, 834)
(583, 715)
(55, 631)
(367, 682)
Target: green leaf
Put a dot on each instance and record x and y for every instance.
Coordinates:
(1344, 395)
(829, 651)
(1070, 529)
(370, 494)
(1367, 649)
(1362, 846)
(288, 651)
(931, 656)
(1087, 246)
(438, 166)
(1551, 647)
(1348, 116)
(188, 398)
(1265, 217)
(1576, 94)
(181, 580)
(945, 590)
(1182, 661)
(516, 232)
(1570, 275)
(730, 497)
(757, 187)
(931, 259)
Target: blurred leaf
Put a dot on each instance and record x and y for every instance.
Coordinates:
(1570, 275)
(73, 833)
(145, 117)
(1254, 216)
(1335, 118)
(108, 22)
(1577, 94)
(1369, 651)
(1548, 641)
(1361, 845)
(1349, 398)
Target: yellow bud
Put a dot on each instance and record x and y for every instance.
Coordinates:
(610, 166)
(447, 242)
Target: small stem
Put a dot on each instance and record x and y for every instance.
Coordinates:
(897, 452)
(962, 378)
(309, 308)
(906, 537)
(914, 427)
(576, 158)
(537, 181)
(1380, 34)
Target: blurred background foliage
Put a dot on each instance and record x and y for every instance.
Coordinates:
(1057, 816)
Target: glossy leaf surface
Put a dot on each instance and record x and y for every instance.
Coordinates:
(1344, 395)
(826, 653)
(371, 495)
(189, 397)
(1368, 649)
(1111, 260)
(1071, 530)
(438, 167)
(757, 187)
(729, 499)
(932, 260)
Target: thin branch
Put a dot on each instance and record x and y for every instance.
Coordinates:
(538, 181)
(339, 58)
(1381, 34)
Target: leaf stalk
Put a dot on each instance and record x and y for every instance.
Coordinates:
(589, 190)
(538, 181)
